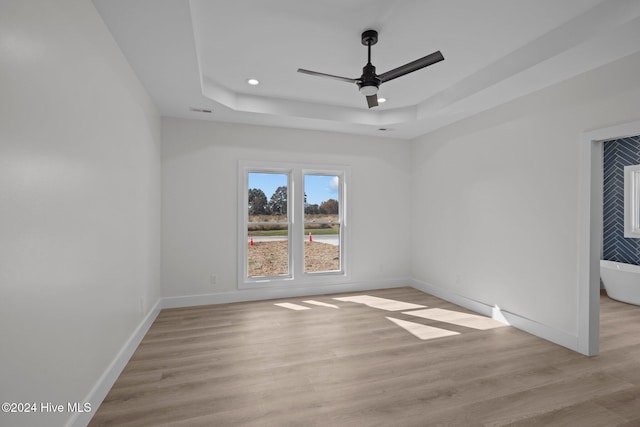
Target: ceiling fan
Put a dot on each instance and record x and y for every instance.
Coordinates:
(369, 81)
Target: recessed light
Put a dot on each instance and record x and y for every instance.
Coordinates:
(253, 82)
(382, 100)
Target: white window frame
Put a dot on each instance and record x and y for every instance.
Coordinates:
(295, 212)
(632, 201)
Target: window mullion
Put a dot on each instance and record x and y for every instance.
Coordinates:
(298, 223)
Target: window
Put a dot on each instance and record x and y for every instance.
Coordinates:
(322, 220)
(632, 201)
(268, 224)
(293, 226)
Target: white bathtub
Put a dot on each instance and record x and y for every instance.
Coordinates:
(622, 281)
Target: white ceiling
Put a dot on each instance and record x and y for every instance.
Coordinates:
(199, 54)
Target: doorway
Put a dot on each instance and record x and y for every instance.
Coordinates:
(590, 231)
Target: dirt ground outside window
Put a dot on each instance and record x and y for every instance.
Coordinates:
(270, 258)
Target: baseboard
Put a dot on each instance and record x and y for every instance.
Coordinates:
(527, 325)
(283, 292)
(110, 375)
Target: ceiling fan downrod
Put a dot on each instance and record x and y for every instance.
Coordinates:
(369, 81)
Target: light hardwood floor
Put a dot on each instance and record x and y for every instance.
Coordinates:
(257, 364)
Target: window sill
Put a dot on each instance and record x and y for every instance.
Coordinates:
(308, 279)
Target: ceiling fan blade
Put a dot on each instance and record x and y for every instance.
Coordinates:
(329, 76)
(372, 101)
(411, 66)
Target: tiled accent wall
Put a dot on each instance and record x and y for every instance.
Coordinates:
(618, 154)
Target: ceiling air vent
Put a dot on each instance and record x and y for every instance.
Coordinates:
(200, 110)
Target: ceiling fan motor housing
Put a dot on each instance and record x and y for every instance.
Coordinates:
(369, 81)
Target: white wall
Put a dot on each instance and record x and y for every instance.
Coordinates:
(79, 203)
(496, 207)
(200, 193)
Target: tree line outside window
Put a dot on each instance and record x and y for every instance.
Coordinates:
(277, 204)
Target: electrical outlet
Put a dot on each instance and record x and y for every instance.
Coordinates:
(213, 279)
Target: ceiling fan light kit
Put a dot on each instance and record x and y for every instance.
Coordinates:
(369, 82)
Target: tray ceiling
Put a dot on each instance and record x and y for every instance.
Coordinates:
(198, 55)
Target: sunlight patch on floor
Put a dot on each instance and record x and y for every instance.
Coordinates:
(423, 332)
(320, 303)
(457, 318)
(291, 306)
(380, 303)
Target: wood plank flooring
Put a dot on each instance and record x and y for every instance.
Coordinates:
(258, 364)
